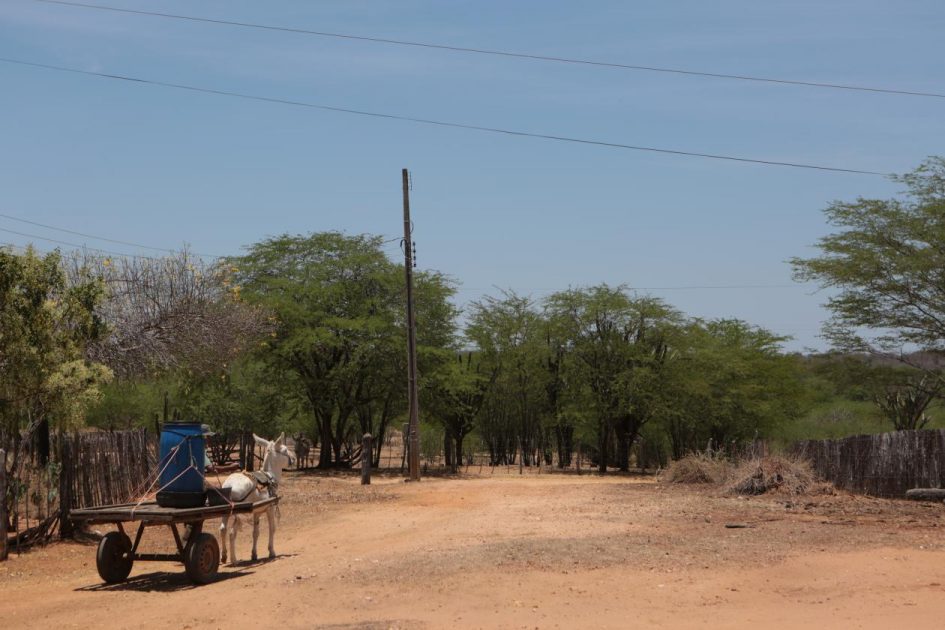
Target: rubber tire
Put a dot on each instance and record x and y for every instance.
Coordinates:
(202, 558)
(113, 558)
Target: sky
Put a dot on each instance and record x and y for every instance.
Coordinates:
(169, 168)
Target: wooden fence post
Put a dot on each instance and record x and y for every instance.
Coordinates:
(65, 487)
(366, 449)
(3, 505)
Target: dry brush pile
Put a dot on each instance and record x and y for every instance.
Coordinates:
(749, 476)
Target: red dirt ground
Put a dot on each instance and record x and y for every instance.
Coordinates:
(533, 551)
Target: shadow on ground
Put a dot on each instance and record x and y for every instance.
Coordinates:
(260, 561)
(160, 582)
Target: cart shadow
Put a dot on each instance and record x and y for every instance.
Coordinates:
(160, 582)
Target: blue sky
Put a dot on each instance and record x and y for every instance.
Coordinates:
(166, 167)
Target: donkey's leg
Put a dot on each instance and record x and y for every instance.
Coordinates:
(223, 533)
(271, 519)
(235, 528)
(255, 534)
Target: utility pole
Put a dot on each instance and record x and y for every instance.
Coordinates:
(413, 440)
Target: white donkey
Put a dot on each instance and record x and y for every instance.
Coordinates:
(244, 487)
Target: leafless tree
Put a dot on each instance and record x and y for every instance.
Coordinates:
(168, 312)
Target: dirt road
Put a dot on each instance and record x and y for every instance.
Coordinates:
(505, 551)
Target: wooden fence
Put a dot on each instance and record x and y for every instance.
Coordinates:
(103, 469)
(86, 469)
(884, 465)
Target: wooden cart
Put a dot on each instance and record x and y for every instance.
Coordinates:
(200, 553)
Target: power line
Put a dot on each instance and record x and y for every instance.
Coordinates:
(78, 246)
(82, 246)
(502, 53)
(441, 123)
(102, 238)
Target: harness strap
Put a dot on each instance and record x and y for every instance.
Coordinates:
(263, 479)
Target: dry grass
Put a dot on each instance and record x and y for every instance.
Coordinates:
(698, 468)
(776, 473)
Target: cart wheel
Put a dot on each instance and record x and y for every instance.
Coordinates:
(113, 558)
(201, 558)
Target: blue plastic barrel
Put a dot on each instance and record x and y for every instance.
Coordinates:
(182, 445)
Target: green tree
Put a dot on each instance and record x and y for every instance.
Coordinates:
(456, 393)
(45, 326)
(338, 305)
(887, 265)
(730, 383)
(905, 401)
(901, 393)
(560, 415)
(507, 332)
(619, 346)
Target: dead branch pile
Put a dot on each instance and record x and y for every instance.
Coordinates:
(772, 474)
(698, 467)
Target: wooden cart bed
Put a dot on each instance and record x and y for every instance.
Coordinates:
(151, 512)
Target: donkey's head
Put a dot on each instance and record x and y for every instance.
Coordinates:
(277, 455)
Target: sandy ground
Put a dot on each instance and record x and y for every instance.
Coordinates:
(537, 551)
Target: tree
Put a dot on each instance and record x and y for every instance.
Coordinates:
(339, 310)
(618, 348)
(730, 383)
(457, 391)
(887, 263)
(165, 314)
(45, 326)
(904, 403)
(559, 418)
(507, 332)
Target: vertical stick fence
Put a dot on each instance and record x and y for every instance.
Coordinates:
(88, 469)
(883, 465)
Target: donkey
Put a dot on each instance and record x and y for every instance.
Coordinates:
(302, 448)
(244, 487)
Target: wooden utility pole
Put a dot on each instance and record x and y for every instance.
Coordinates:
(413, 440)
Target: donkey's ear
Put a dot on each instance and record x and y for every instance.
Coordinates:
(263, 442)
(280, 440)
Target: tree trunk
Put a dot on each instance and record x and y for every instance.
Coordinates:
(459, 448)
(565, 438)
(324, 453)
(42, 442)
(379, 440)
(448, 450)
(367, 449)
(623, 444)
(602, 443)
